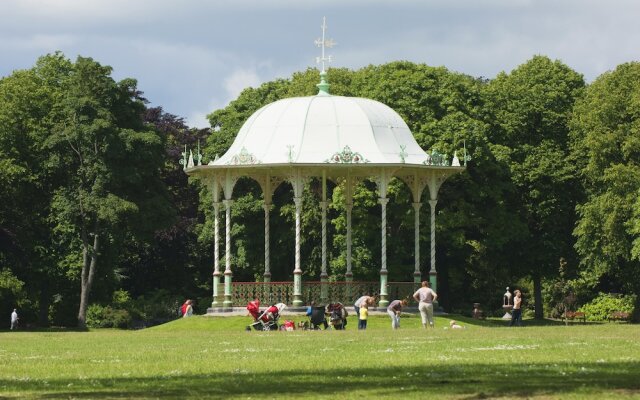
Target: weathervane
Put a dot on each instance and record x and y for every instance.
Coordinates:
(329, 43)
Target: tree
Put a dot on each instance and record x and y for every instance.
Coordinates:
(27, 179)
(606, 142)
(529, 111)
(112, 162)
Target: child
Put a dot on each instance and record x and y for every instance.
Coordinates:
(454, 325)
(362, 320)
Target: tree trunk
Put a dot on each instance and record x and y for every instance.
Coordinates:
(443, 288)
(43, 312)
(537, 296)
(89, 261)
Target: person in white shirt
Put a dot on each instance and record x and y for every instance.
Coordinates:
(14, 319)
(425, 296)
(363, 300)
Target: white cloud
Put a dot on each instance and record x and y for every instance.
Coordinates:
(239, 80)
(38, 42)
(75, 9)
(198, 119)
(185, 54)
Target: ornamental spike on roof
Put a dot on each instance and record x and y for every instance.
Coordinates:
(323, 86)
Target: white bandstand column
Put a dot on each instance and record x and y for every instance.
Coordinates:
(267, 182)
(267, 270)
(227, 256)
(324, 204)
(324, 276)
(384, 301)
(216, 255)
(416, 272)
(382, 182)
(297, 272)
(433, 273)
(349, 275)
(297, 181)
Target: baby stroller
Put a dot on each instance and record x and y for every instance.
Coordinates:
(318, 317)
(268, 319)
(338, 315)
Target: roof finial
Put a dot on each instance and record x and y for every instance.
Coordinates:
(328, 43)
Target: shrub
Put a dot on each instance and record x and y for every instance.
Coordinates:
(107, 317)
(155, 307)
(600, 308)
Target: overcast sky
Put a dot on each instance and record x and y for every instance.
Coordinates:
(194, 56)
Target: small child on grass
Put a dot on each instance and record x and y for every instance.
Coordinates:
(454, 325)
(364, 313)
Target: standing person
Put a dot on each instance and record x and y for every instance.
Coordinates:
(394, 310)
(188, 311)
(14, 319)
(183, 307)
(425, 296)
(362, 300)
(516, 313)
(362, 316)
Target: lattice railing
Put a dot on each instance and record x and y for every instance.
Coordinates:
(267, 292)
(320, 292)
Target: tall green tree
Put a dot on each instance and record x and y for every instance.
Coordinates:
(112, 189)
(529, 110)
(27, 178)
(606, 134)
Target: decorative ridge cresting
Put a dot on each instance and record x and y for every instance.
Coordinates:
(347, 156)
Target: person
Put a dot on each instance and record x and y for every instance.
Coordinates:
(425, 296)
(316, 316)
(188, 311)
(254, 308)
(183, 307)
(14, 319)
(337, 315)
(454, 325)
(516, 313)
(394, 310)
(362, 300)
(362, 316)
(310, 309)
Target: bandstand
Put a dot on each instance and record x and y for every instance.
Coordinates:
(337, 138)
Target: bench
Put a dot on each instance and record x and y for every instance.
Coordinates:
(619, 316)
(579, 315)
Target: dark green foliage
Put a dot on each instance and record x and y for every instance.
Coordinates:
(107, 317)
(604, 305)
(605, 133)
(529, 112)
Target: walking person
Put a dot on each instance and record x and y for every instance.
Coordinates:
(425, 296)
(516, 313)
(14, 319)
(394, 310)
(362, 316)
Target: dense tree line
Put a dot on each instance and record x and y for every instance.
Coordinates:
(95, 209)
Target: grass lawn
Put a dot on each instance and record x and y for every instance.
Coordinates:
(204, 357)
